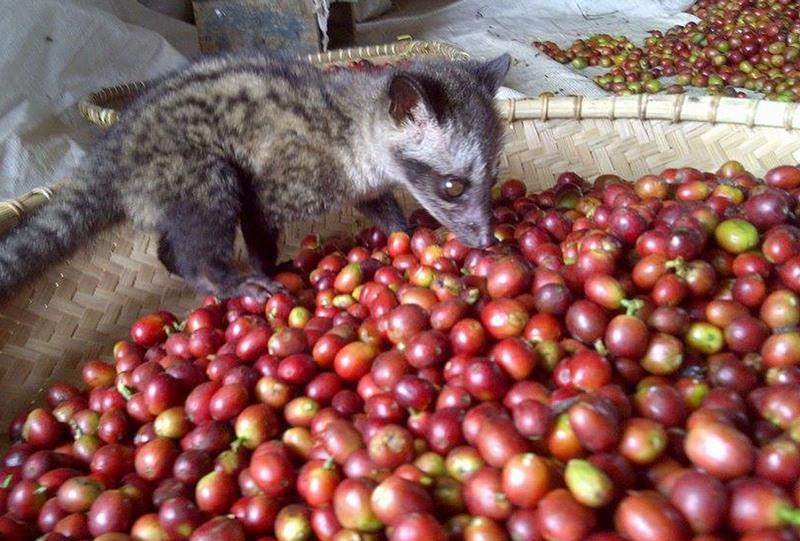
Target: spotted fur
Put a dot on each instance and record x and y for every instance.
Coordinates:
(256, 140)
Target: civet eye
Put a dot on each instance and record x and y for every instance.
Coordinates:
(453, 187)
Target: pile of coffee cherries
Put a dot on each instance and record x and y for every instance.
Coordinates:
(623, 364)
(736, 45)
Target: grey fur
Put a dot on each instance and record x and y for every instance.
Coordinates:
(257, 140)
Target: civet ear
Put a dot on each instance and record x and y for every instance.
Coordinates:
(407, 99)
(492, 73)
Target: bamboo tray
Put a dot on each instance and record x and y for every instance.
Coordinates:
(79, 308)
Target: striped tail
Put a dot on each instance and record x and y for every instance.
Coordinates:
(77, 210)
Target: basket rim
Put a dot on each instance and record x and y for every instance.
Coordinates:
(749, 112)
(746, 112)
(94, 106)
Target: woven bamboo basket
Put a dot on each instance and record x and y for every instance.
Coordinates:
(79, 308)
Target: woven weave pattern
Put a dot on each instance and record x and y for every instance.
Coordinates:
(538, 151)
(80, 307)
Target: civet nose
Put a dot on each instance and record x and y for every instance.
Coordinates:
(487, 239)
(482, 237)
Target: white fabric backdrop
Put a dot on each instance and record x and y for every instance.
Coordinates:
(53, 52)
